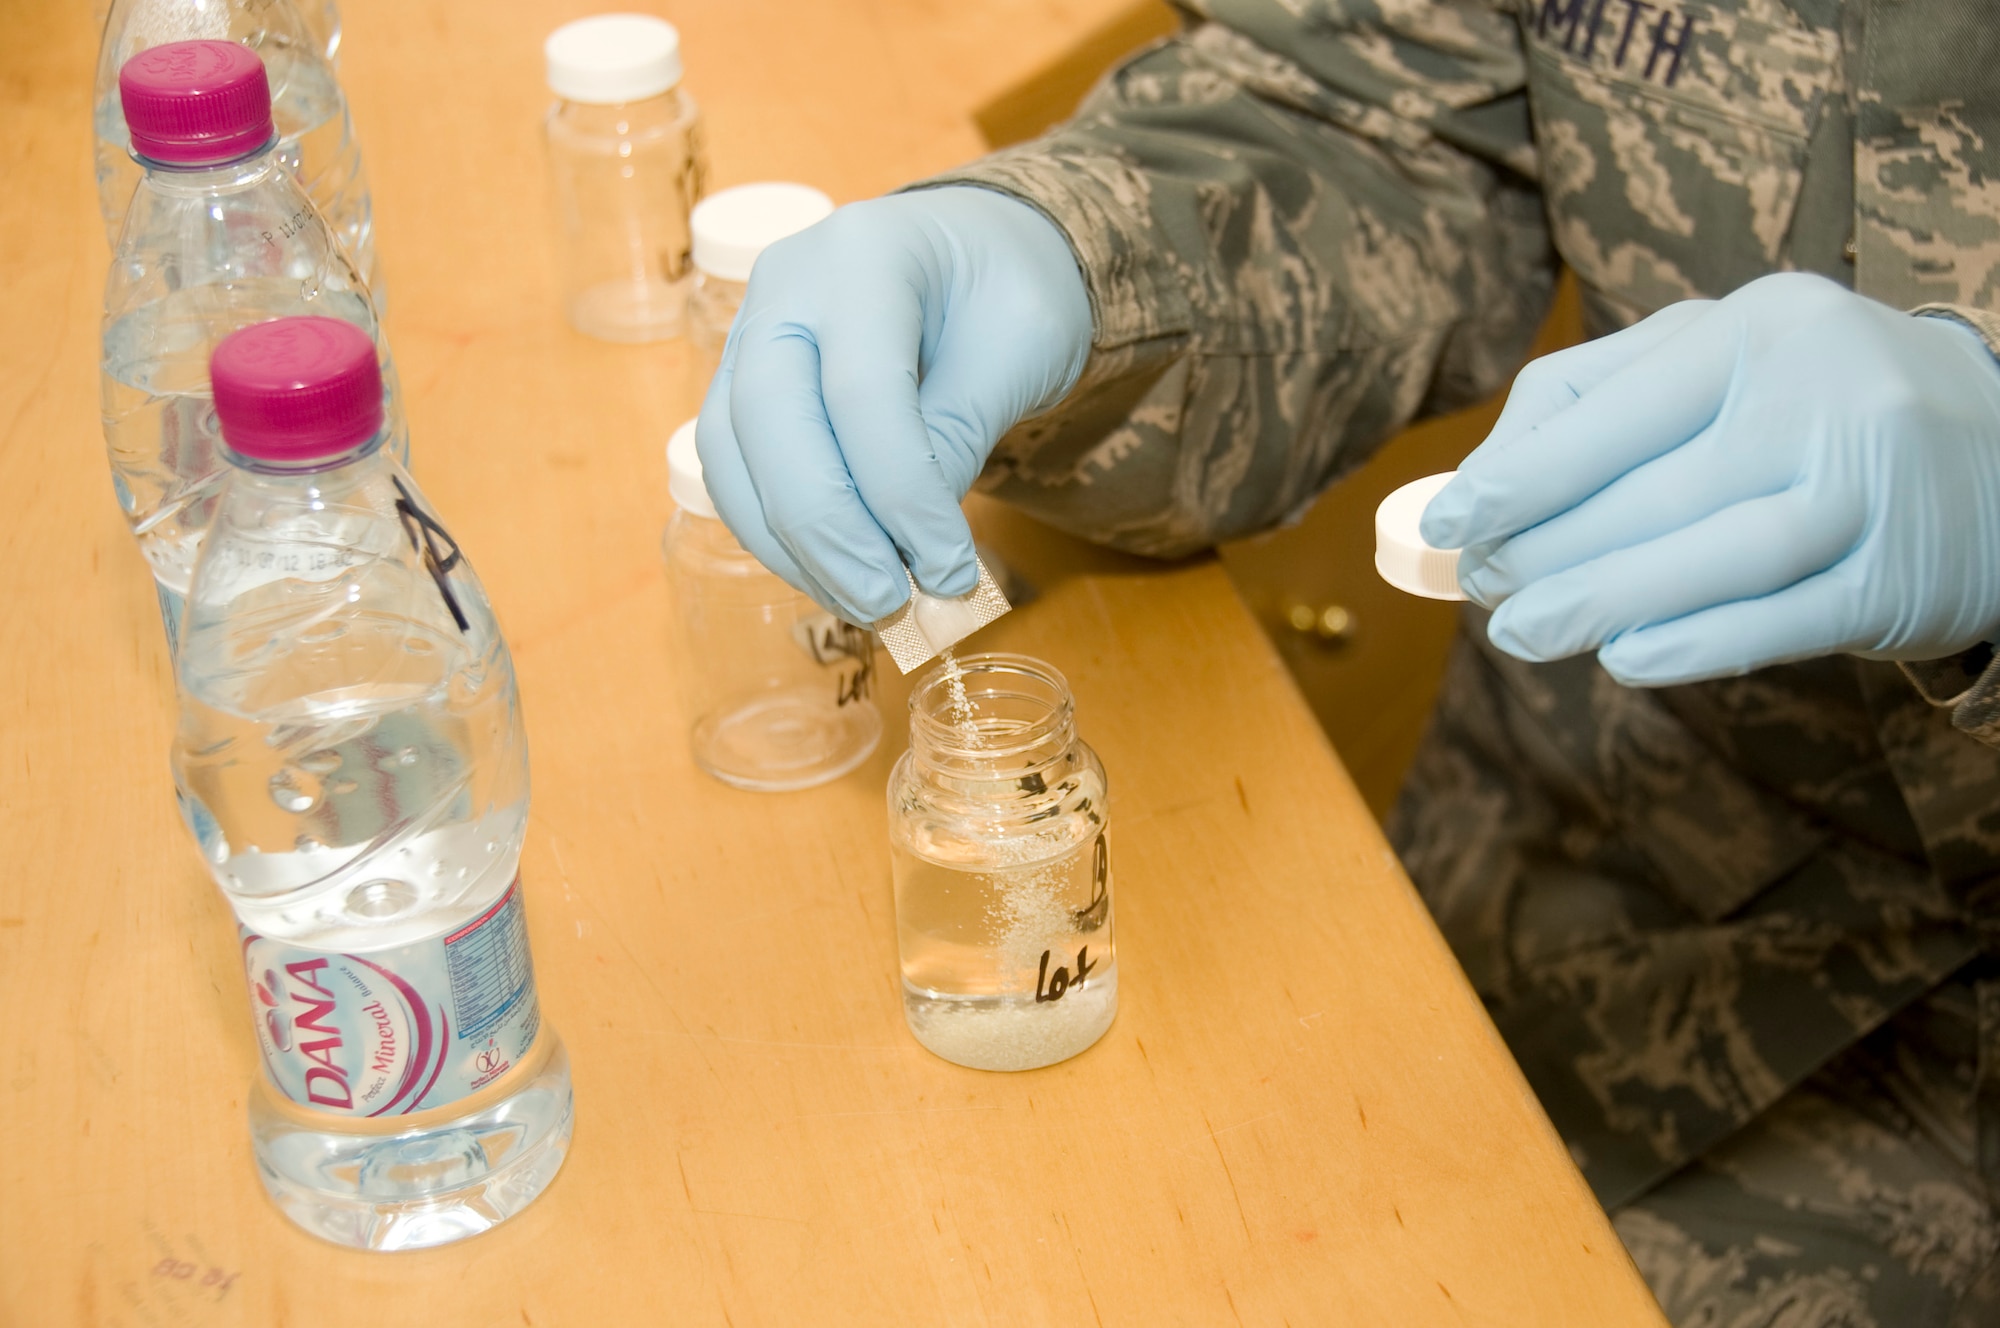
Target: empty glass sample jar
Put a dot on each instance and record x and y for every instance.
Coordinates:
(777, 689)
(626, 160)
(731, 227)
(997, 819)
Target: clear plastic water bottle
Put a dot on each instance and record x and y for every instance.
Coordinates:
(315, 136)
(219, 235)
(352, 765)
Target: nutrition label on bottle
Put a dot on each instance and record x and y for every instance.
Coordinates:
(399, 1030)
(491, 973)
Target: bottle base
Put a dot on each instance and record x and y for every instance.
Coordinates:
(1012, 1033)
(631, 312)
(782, 741)
(420, 1187)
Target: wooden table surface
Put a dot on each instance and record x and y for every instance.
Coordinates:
(1301, 1115)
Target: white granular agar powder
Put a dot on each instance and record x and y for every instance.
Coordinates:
(1028, 912)
(1020, 1036)
(963, 717)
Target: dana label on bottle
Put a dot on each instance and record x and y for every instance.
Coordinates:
(399, 1030)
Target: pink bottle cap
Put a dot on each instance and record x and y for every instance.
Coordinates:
(297, 389)
(196, 103)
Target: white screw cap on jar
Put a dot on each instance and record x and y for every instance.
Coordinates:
(613, 58)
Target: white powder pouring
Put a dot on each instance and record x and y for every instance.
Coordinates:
(928, 624)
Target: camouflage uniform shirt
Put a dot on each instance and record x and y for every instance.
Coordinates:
(1303, 223)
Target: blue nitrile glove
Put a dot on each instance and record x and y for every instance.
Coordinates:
(878, 357)
(1788, 472)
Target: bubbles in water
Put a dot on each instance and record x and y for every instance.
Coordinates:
(320, 632)
(290, 793)
(417, 645)
(320, 762)
(400, 758)
(380, 899)
(340, 788)
(307, 844)
(437, 866)
(218, 852)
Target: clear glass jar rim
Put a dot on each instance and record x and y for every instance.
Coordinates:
(931, 729)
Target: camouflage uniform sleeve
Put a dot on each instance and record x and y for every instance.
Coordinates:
(1967, 684)
(1302, 223)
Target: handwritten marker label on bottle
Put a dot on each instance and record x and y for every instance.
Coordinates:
(842, 646)
(1052, 988)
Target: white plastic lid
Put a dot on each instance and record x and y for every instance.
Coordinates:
(684, 480)
(732, 227)
(613, 58)
(1401, 555)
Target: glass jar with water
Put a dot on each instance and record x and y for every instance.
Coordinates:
(997, 829)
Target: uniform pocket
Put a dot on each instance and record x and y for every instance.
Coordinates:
(1673, 139)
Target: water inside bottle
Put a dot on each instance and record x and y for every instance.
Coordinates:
(358, 818)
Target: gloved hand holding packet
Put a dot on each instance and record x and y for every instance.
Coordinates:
(928, 625)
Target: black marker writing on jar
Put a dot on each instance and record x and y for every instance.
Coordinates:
(1092, 915)
(846, 641)
(1061, 981)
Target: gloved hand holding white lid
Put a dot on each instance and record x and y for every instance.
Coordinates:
(1401, 556)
